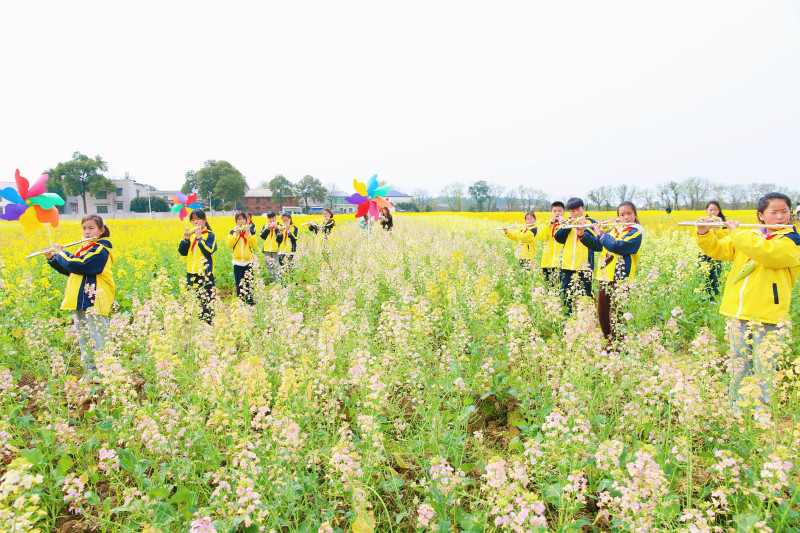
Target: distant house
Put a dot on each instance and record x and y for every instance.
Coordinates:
(260, 200)
(397, 197)
(335, 201)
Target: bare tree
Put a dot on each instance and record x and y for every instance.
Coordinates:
(625, 192)
(423, 199)
(601, 196)
(511, 199)
(695, 191)
(647, 197)
(496, 192)
(453, 196)
(735, 196)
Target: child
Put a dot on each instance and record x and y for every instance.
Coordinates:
(198, 246)
(386, 220)
(270, 235)
(287, 241)
(577, 260)
(327, 223)
(622, 245)
(364, 223)
(766, 264)
(712, 269)
(551, 255)
(526, 239)
(241, 241)
(90, 285)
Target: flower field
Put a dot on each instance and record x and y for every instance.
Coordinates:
(417, 381)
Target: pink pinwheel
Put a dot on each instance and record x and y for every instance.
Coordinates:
(30, 204)
(369, 197)
(184, 205)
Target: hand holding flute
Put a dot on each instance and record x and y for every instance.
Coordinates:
(49, 251)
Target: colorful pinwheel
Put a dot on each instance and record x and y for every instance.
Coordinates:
(184, 205)
(369, 197)
(31, 205)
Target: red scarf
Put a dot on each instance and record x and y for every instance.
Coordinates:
(194, 242)
(79, 252)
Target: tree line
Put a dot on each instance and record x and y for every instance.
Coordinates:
(690, 193)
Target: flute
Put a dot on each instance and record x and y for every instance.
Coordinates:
(311, 221)
(42, 252)
(722, 224)
(572, 226)
(515, 226)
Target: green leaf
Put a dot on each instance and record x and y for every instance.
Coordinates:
(163, 513)
(64, 465)
(126, 460)
(32, 455)
(106, 425)
(160, 492)
(182, 495)
(745, 522)
(393, 484)
(444, 526)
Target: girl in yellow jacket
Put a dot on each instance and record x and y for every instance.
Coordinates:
(711, 268)
(577, 258)
(269, 234)
(526, 237)
(621, 244)
(241, 241)
(198, 246)
(287, 241)
(766, 264)
(551, 255)
(90, 286)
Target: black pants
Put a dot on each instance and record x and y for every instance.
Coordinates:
(204, 288)
(575, 283)
(243, 275)
(552, 276)
(711, 282)
(606, 311)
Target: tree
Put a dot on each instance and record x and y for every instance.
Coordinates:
(310, 188)
(601, 196)
(205, 181)
(453, 196)
(736, 196)
(408, 206)
(80, 175)
(511, 199)
(330, 188)
(231, 187)
(140, 205)
(281, 189)
(695, 190)
(496, 192)
(479, 191)
(647, 196)
(423, 199)
(625, 192)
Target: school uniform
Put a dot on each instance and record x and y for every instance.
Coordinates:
(757, 293)
(619, 262)
(90, 285)
(270, 237)
(712, 268)
(325, 228)
(199, 255)
(577, 261)
(241, 244)
(551, 254)
(526, 250)
(287, 244)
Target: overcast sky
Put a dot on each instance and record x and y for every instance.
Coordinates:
(562, 96)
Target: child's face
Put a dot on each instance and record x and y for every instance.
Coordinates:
(577, 213)
(198, 222)
(271, 219)
(777, 212)
(626, 214)
(530, 219)
(91, 230)
(241, 221)
(326, 215)
(557, 211)
(712, 210)
(286, 221)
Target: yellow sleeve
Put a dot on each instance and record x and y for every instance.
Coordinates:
(782, 252)
(230, 242)
(543, 232)
(513, 235)
(528, 237)
(722, 249)
(251, 241)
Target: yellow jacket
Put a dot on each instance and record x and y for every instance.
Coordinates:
(527, 242)
(90, 282)
(578, 253)
(551, 255)
(241, 244)
(622, 251)
(759, 285)
(269, 235)
(287, 240)
(199, 253)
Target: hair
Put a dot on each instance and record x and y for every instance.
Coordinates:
(557, 203)
(764, 201)
(329, 211)
(249, 215)
(199, 213)
(716, 203)
(531, 213)
(287, 215)
(238, 214)
(574, 203)
(386, 208)
(97, 219)
(271, 214)
(635, 211)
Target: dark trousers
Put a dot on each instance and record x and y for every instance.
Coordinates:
(526, 264)
(606, 313)
(203, 286)
(244, 282)
(711, 280)
(552, 276)
(575, 283)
